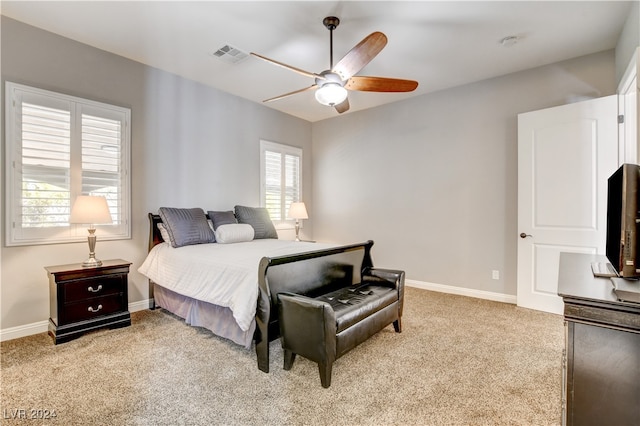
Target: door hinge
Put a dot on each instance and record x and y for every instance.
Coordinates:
(620, 119)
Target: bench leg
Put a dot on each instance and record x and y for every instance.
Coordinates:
(325, 373)
(289, 357)
(397, 325)
(262, 353)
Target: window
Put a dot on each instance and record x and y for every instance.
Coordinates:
(281, 178)
(59, 147)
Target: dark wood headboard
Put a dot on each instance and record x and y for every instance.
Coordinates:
(154, 233)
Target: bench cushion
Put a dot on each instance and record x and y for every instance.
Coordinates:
(355, 303)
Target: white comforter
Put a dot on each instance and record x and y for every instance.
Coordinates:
(222, 274)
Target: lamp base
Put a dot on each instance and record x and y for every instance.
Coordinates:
(91, 262)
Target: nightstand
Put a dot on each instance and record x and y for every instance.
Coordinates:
(82, 299)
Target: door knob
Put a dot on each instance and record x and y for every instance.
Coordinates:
(523, 235)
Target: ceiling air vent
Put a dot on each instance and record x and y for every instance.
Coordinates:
(230, 54)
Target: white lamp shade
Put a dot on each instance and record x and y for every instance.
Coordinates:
(298, 211)
(91, 210)
(331, 94)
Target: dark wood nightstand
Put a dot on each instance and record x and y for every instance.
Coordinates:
(83, 299)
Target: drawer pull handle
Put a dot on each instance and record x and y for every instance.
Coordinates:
(96, 290)
(94, 310)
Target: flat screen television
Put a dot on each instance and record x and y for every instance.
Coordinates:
(622, 221)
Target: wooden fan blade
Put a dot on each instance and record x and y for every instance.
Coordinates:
(343, 106)
(360, 55)
(289, 67)
(380, 84)
(313, 86)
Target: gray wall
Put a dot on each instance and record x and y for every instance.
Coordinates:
(629, 40)
(192, 146)
(433, 180)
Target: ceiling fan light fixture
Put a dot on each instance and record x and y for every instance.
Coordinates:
(331, 94)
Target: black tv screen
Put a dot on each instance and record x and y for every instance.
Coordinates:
(622, 220)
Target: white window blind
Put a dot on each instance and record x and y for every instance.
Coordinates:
(59, 147)
(281, 175)
(46, 161)
(101, 159)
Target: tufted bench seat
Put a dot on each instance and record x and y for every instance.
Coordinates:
(325, 327)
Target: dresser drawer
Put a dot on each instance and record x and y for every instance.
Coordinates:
(89, 288)
(92, 308)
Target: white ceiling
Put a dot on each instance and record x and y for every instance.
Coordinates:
(440, 44)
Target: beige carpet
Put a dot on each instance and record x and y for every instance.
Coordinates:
(458, 361)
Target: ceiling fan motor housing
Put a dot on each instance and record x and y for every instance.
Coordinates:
(329, 76)
(331, 22)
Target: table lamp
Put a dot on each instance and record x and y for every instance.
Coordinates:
(298, 211)
(91, 210)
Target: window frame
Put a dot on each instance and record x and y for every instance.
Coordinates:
(15, 234)
(282, 149)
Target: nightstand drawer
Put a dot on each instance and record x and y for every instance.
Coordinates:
(92, 308)
(94, 287)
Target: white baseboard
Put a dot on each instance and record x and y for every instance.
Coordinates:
(140, 306)
(43, 326)
(23, 330)
(461, 291)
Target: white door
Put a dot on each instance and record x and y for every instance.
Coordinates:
(565, 156)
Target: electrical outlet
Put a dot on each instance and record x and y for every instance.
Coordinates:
(495, 274)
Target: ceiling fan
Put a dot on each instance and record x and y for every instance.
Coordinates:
(331, 85)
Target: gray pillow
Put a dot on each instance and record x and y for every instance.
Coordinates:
(258, 218)
(186, 226)
(221, 218)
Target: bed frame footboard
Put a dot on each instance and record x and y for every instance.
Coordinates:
(304, 273)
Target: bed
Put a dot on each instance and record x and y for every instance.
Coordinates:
(231, 288)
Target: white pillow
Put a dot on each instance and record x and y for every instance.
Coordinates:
(164, 233)
(234, 233)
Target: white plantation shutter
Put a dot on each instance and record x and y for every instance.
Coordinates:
(59, 147)
(281, 177)
(101, 161)
(291, 181)
(273, 178)
(46, 159)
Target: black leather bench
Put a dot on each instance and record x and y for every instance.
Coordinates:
(325, 327)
